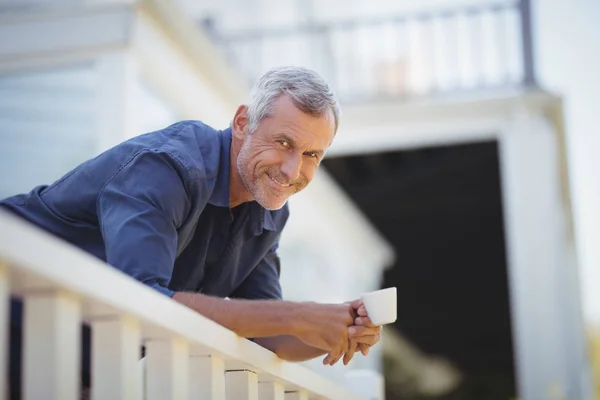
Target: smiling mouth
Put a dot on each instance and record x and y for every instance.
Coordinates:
(279, 183)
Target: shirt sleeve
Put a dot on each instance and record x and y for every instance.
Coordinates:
(263, 281)
(139, 211)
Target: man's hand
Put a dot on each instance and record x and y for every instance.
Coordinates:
(325, 326)
(364, 320)
(362, 335)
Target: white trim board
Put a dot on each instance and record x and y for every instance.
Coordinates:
(34, 34)
(390, 126)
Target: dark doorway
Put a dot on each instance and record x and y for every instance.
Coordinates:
(441, 209)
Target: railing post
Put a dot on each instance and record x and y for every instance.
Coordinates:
(115, 356)
(4, 324)
(241, 385)
(539, 259)
(527, 45)
(167, 369)
(51, 346)
(207, 378)
(271, 391)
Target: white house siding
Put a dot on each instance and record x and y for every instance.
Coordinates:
(151, 111)
(46, 125)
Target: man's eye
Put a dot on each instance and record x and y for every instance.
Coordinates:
(312, 154)
(284, 143)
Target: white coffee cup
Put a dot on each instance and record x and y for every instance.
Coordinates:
(381, 305)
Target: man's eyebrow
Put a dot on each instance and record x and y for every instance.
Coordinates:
(286, 138)
(293, 143)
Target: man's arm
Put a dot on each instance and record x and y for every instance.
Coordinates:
(138, 211)
(290, 348)
(321, 326)
(263, 284)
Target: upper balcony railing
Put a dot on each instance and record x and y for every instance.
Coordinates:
(187, 355)
(455, 50)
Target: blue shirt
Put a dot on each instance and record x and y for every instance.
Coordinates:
(157, 208)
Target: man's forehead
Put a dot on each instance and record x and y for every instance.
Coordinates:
(313, 134)
(285, 109)
(284, 105)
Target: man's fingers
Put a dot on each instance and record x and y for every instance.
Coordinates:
(357, 331)
(364, 348)
(356, 304)
(364, 321)
(332, 358)
(362, 311)
(345, 346)
(350, 353)
(362, 343)
(337, 353)
(348, 356)
(368, 340)
(334, 361)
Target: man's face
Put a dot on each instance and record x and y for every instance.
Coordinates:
(282, 155)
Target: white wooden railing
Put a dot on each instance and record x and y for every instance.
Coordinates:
(187, 356)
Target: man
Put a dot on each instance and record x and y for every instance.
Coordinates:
(197, 213)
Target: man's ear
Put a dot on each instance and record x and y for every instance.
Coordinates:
(239, 125)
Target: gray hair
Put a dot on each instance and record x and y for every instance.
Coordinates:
(308, 91)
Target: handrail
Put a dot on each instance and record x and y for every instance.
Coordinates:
(38, 262)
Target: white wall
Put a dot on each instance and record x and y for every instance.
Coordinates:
(567, 36)
(47, 124)
(151, 111)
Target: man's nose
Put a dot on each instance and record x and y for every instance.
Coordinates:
(291, 167)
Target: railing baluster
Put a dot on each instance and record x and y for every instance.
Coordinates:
(4, 323)
(503, 52)
(115, 356)
(299, 395)
(241, 385)
(527, 46)
(167, 369)
(207, 378)
(475, 32)
(51, 346)
(271, 391)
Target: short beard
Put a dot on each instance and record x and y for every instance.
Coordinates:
(258, 191)
(242, 165)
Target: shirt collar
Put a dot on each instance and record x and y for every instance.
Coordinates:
(261, 218)
(267, 220)
(220, 194)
